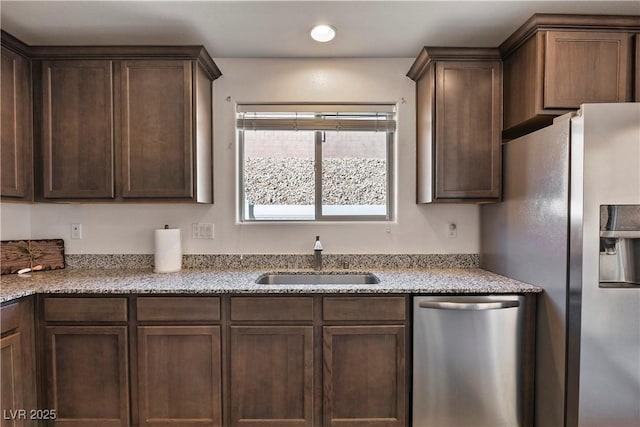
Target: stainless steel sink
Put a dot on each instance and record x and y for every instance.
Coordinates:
(320, 278)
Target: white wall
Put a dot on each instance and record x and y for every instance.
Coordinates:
(15, 221)
(120, 228)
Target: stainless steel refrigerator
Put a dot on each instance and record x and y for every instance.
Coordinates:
(570, 223)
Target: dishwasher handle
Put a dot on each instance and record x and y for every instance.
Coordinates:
(468, 306)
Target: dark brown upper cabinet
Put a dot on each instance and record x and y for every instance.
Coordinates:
(125, 123)
(459, 119)
(77, 130)
(156, 129)
(16, 179)
(555, 63)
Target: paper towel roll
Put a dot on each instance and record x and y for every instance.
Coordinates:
(167, 254)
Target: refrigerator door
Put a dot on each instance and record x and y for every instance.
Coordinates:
(606, 147)
(467, 356)
(525, 237)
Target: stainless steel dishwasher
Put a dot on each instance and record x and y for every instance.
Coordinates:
(467, 359)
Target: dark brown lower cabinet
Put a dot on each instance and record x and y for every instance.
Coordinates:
(265, 361)
(364, 376)
(12, 398)
(179, 376)
(17, 365)
(271, 376)
(87, 379)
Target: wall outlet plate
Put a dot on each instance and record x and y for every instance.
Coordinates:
(202, 230)
(76, 231)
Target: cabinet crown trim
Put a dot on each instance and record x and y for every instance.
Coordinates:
(12, 43)
(429, 54)
(191, 52)
(562, 22)
(198, 53)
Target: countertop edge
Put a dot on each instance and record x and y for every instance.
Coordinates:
(220, 282)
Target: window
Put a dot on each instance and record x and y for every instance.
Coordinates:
(306, 163)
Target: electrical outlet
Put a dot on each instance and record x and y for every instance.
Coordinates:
(76, 231)
(452, 231)
(195, 231)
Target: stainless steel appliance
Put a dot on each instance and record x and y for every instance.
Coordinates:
(467, 360)
(547, 231)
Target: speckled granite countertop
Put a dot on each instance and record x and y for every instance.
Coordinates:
(201, 281)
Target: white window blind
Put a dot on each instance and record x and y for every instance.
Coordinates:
(339, 117)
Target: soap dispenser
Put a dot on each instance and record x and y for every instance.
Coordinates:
(317, 254)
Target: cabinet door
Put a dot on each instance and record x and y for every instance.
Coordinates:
(77, 128)
(87, 375)
(364, 376)
(271, 376)
(583, 67)
(156, 98)
(522, 83)
(11, 399)
(179, 376)
(14, 127)
(17, 360)
(468, 129)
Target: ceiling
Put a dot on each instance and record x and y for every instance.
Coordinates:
(275, 29)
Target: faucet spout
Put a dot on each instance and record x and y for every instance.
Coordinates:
(317, 254)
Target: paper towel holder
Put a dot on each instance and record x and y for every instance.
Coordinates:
(167, 250)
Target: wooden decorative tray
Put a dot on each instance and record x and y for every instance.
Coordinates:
(18, 254)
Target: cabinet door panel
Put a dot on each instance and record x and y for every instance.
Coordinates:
(271, 376)
(468, 124)
(77, 127)
(583, 67)
(157, 129)
(16, 149)
(87, 375)
(17, 364)
(11, 398)
(179, 376)
(522, 98)
(364, 376)
(78, 309)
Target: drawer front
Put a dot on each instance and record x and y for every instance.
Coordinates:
(364, 308)
(175, 309)
(10, 317)
(85, 309)
(272, 308)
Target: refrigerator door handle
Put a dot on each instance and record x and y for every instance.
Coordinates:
(469, 306)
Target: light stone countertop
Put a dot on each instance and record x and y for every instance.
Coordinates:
(209, 281)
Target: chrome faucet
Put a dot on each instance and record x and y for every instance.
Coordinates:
(317, 254)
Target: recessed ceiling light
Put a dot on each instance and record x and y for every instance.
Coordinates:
(323, 33)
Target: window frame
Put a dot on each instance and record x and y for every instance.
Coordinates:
(319, 217)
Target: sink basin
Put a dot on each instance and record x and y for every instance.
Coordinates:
(317, 279)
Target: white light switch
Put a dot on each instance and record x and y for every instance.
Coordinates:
(204, 230)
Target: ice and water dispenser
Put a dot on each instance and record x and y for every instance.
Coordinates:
(619, 245)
